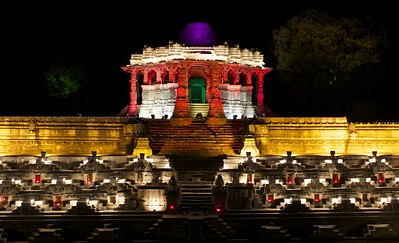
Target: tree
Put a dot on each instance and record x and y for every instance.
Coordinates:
(325, 61)
(64, 77)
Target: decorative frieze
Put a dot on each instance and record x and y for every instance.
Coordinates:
(66, 135)
(176, 51)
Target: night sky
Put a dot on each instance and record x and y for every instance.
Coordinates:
(104, 35)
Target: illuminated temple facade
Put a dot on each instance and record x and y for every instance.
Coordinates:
(197, 158)
(197, 78)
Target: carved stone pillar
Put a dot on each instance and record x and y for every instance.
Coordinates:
(208, 79)
(159, 76)
(236, 77)
(260, 107)
(172, 73)
(133, 108)
(225, 76)
(145, 77)
(181, 115)
(216, 113)
(249, 80)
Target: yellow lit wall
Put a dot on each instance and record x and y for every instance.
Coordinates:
(64, 135)
(118, 136)
(320, 135)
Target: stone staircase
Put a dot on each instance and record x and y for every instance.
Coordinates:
(196, 196)
(196, 177)
(192, 227)
(196, 138)
(196, 108)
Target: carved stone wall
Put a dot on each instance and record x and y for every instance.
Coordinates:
(320, 135)
(66, 135)
(272, 135)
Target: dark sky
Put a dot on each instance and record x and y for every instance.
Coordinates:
(103, 34)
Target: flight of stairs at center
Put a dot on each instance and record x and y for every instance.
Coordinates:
(196, 196)
(196, 138)
(192, 227)
(196, 177)
(196, 108)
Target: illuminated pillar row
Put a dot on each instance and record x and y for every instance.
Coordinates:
(133, 109)
(260, 96)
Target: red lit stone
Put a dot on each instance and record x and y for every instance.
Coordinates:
(316, 198)
(335, 179)
(380, 177)
(89, 179)
(270, 198)
(4, 200)
(38, 178)
(58, 201)
(290, 179)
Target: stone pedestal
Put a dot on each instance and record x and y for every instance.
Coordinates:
(143, 146)
(152, 197)
(250, 146)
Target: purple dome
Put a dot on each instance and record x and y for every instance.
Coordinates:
(198, 34)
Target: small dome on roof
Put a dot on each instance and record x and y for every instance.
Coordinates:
(198, 34)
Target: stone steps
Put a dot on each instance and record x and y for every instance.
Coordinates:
(191, 227)
(197, 137)
(196, 196)
(196, 108)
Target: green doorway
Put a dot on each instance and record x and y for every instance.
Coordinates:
(197, 90)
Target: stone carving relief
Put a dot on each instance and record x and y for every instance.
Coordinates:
(352, 129)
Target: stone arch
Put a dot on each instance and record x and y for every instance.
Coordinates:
(242, 78)
(165, 76)
(152, 77)
(231, 76)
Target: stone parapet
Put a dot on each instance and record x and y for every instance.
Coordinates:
(66, 135)
(270, 135)
(320, 135)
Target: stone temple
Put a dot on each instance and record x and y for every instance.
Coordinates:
(198, 157)
(196, 78)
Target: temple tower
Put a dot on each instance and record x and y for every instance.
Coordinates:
(196, 78)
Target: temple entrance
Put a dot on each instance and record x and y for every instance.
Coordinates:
(197, 90)
(197, 97)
